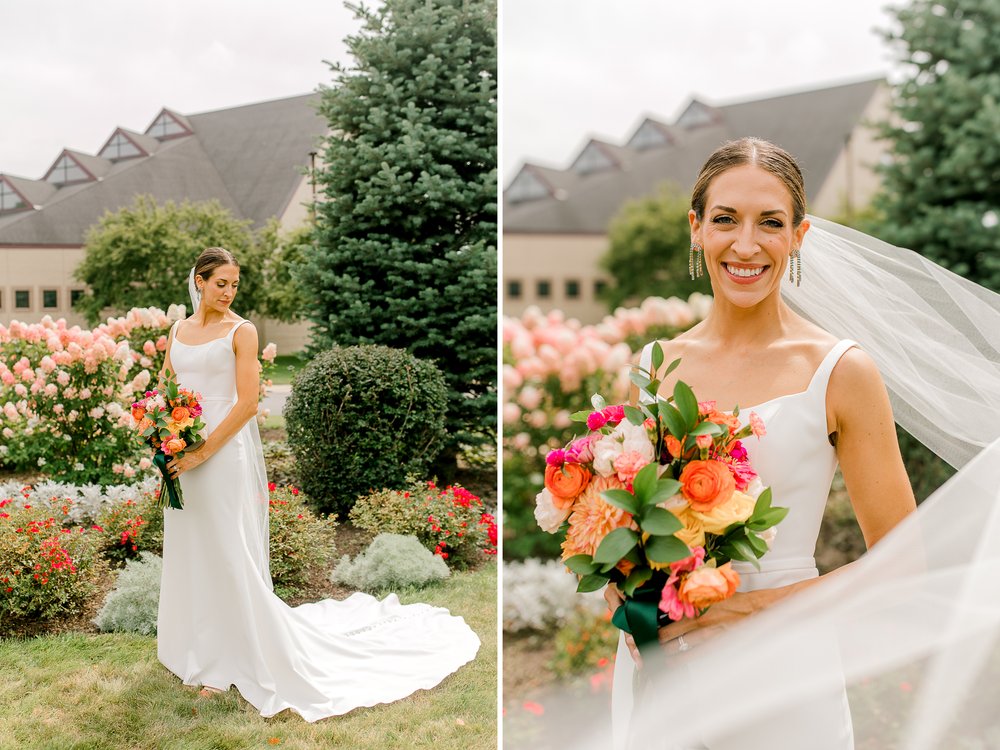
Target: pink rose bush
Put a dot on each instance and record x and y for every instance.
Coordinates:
(65, 394)
(551, 364)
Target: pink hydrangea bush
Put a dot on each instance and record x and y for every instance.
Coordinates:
(65, 394)
(551, 366)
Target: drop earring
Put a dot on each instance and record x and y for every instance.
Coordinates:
(695, 256)
(795, 267)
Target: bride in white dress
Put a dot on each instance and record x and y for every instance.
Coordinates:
(219, 623)
(822, 401)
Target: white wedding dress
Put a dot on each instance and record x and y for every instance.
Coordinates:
(798, 462)
(219, 622)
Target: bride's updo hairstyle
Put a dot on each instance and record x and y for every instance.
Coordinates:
(760, 153)
(210, 259)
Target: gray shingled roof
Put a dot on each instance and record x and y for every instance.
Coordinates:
(812, 125)
(36, 191)
(249, 158)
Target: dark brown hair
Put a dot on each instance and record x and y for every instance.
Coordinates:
(210, 259)
(758, 152)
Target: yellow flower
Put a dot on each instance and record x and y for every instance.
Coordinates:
(736, 509)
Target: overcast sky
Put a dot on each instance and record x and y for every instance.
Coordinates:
(74, 71)
(576, 69)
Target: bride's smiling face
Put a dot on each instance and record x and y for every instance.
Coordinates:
(219, 290)
(747, 233)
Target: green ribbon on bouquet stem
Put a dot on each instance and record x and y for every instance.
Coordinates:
(638, 615)
(173, 491)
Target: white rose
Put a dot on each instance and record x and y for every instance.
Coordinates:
(635, 439)
(768, 535)
(548, 516)
(754, 488)
(606, 450)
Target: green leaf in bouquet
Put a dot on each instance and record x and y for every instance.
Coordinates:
(659, 521)
(673, 366)
(665, 489)
(634, 415)
(739, 549)
(707, 428)
(616, 545)
(657, 356)
(621, 499)
(758, 545)
(666, 549)
(582, 565)
(644, 484)
(673, 420)
(164, 433)
(598, 402)
(591, 582)
(654, 387)
(763, 502)
(767, 519)
(639, 378)
(687, 404)
(579, 416)
(635, 579)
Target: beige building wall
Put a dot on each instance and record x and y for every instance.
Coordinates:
(532, 261)
(853, 182)
(46, 275)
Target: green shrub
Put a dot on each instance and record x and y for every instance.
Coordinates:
(361, 417)
(130, 528)
(131, 607)
(450, 522)
(584, 643)
(46, 569)
(300, 542)
(391, 561)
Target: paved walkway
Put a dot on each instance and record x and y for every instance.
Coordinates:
(276, 397)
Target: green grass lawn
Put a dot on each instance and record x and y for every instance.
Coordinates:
(77, 691)
(285, 367)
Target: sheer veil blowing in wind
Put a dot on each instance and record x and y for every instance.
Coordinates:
(913, 627)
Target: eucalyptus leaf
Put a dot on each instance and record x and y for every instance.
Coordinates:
(687, 404)
(591, 582)
(707, 428)
(621, 499)
(598, 401)
(639, 378)
(581, 564)
(615, 546)
(660, 521)
(666, 549)
(673, 366)
(635, 579)
(579, 416)
(634, 415)
(657, 356)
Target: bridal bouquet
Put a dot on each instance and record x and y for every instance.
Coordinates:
(169, 420)
(658, 498)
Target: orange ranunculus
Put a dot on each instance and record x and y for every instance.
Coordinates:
(707, 585)
(179, 414)
(175, 446)
(145, 424)
(566, 482)
(706, 484)
(138, 413)
(673, 445)
(724, 419)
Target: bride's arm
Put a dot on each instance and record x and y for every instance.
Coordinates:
(245, 408)
(873, 472)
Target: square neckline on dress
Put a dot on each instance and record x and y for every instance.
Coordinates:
(210, 341)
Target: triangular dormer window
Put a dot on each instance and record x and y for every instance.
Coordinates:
(593, 158)
(695, 115)
(527, 186)
(10, 199)
(67, 171)
(120, 147)
(166, 126)
(649, 135)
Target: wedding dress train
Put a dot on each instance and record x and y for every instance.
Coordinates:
(219, 622)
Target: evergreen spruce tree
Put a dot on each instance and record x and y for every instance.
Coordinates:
(941, 189)
(405, 243)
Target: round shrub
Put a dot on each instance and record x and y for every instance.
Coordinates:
(391, 561)
(132, 605)
(364, 417)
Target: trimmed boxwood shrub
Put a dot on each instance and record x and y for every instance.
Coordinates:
(364, 417)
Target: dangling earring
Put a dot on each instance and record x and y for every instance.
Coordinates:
(795, 267)
(695, 256)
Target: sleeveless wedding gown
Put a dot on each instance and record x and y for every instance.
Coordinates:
(220, 624)
(796, 460)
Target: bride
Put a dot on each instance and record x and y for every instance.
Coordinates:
(219, 623)
(779, 676)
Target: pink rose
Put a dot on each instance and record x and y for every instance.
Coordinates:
(628, 465)
(615, 414)
(581, 450)
(596, 420)
(556, 457)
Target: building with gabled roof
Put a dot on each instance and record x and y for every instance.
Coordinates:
(253, 159)
(555, 221)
